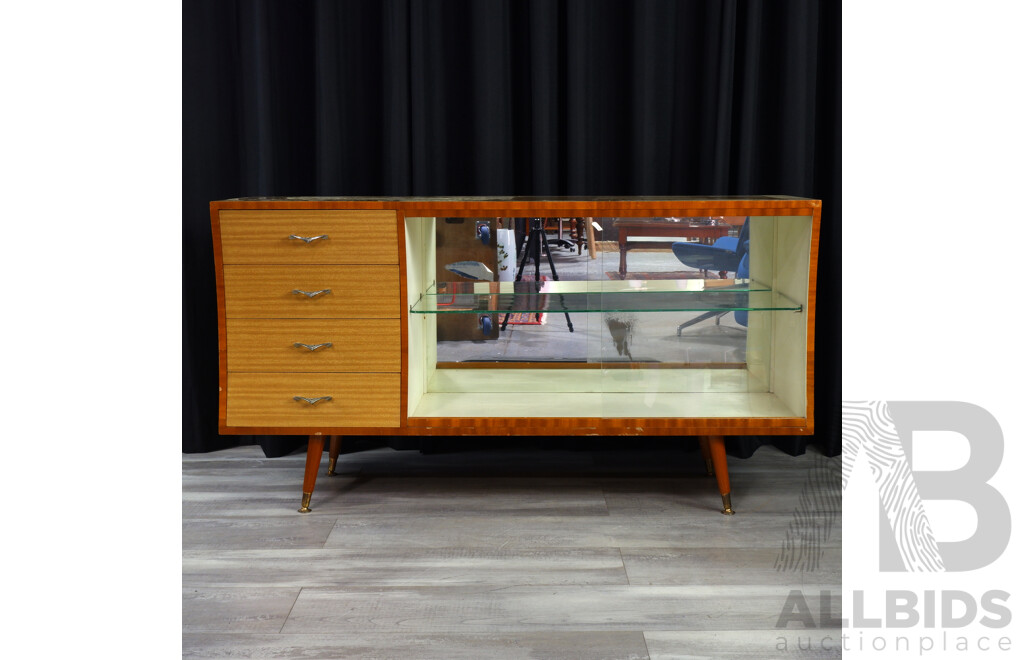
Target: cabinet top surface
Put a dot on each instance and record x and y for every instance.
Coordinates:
(710, 198)
(575, 206)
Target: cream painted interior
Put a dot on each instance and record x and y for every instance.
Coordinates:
(772, 385)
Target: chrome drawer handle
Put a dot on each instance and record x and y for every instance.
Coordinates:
(314, 347)
(308, 239)
(310, 294)
(312, 400)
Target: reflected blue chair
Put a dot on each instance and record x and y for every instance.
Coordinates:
(742, 273)
(723, 256)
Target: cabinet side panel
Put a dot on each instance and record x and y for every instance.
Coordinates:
(790, 328)
(759, 324)
(420, 266)
(222, 346)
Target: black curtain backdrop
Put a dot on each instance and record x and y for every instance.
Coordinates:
(506, 97)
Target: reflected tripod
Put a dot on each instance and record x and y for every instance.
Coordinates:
(536, 243)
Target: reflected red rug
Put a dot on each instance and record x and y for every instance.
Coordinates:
(521, 318)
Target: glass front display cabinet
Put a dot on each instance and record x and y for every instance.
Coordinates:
(517, 316)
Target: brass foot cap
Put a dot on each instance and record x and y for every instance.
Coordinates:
(710, 467)
(331, 465)
(727, 504)
(306, 497)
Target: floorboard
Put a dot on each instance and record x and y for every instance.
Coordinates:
(507, 553)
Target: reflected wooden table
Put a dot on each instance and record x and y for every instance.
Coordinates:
(661, 227)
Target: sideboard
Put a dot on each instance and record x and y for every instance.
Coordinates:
(334, 317)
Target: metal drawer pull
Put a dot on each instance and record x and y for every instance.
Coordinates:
(313, 347)
(309, 239)
(312, 400)
(310, 294)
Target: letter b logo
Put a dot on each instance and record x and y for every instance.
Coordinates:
(882, 431)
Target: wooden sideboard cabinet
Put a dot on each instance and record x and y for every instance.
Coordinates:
(447, 316)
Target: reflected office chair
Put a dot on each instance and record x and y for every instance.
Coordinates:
(742, 273)
(724, 255)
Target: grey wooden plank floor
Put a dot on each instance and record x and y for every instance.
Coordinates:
(513, 553)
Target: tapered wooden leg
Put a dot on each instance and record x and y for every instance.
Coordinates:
(716, 444)
(705, 451)
(314, 453)
(332, 461)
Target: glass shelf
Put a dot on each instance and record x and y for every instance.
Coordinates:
(602, 296)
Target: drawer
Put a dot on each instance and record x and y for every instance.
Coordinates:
(356, 345)
(357, 400)
(348, 292)
(352, 237)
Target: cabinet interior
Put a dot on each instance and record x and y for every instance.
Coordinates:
(625, 356)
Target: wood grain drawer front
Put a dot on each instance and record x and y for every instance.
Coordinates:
(352, 237)
(326, 345)
(322, 292)
(357, 400)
